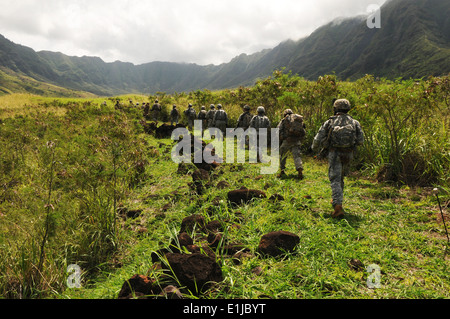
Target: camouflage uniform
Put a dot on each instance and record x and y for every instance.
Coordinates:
(156, 109)
(210, 116)
(244, 123)
(220, 119)
(174, 115)
(202, 117)
(244, 119)
(339, 159)
(258, 122)
(289, 143)
(190, 115)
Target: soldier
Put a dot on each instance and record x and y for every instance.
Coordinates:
(260, 121)
(340, 135)
(244, 118)
(147, 111)
(291, 133)
(174, 115)
(210, 115)
(191, 115)
(202, 117)
(220, 119)
(156, 109)
(244, 122)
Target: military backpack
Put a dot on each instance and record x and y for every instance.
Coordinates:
(342, 132)
(294, 126)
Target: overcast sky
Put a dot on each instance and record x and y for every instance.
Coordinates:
(192, 31)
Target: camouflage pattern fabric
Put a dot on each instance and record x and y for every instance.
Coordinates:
(339, 159)
(338, 168)
(210, 117)
(295, 149)
(260, 121)
(202, 117)
(244, 120)
(156, 109)
(221, 120)
(174, 116)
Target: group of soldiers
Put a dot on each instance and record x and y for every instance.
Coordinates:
(337, 138)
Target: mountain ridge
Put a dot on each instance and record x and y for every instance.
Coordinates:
(413, 42)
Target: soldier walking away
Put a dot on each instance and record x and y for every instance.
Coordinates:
(174, 115)
(244, 118)
(220, 119)
(156, 110)
(147, 112)
(244, 122)
(258, 122)
(340, 135)
(202, 117)
(210, 115)
(292, 131)
(191, 115)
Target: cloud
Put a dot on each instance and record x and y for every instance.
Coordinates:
(193, 31)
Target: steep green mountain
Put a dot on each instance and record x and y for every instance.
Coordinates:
(413, 42)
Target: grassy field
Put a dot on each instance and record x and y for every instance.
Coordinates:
(69, 165)
(396, 229)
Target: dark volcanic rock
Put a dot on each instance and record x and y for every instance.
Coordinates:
(278, 243)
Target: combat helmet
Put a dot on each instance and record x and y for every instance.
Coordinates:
(261, 110)
(287, 112)
(342, 105)
(246, 108)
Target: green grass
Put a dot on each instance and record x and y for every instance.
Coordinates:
(104, 160)
(400, 235)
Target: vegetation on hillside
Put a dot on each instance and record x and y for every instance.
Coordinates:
(413, 42)
(70, 166)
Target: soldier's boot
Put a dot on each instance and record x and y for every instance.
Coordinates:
(300, 174)
(338, 211)
(282, 174)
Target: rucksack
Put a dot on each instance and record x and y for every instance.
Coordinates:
(342, 132)
(294, 126)
(220, 115)
(190, 113)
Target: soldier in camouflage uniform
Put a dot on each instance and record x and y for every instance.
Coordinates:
(210, 115)
(288, 144)
(191, 115)
(156, 110)
(260, 121)
(220, 119)
(244, 118)
(341, 134)
(202, 117)
(174, 115)
(244, 123)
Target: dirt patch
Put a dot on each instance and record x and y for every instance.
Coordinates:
(278, 243)
(197, 271)
(244, 195)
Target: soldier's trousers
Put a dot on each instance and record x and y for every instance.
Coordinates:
(295, 149)
(338, 168)
(221, 125)
(190, 124)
